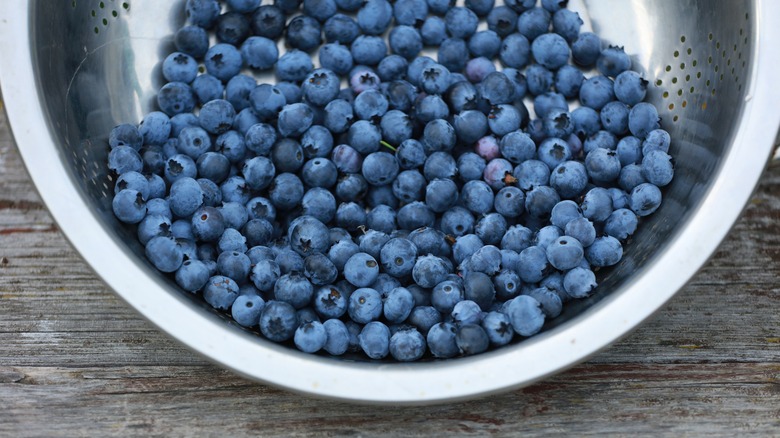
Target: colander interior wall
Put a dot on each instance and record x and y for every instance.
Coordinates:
(98, 64)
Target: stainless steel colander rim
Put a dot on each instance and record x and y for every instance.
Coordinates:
(506, 368)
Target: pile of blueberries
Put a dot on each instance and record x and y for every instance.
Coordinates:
(388, 202)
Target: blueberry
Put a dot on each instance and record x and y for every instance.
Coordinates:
(517, 238)
(423, 318)
(407, 345)
(477, 197)
(457, 222)
(596, 92)
(631, 176)
(320, 204)
(441, 194)
(472, 339)
(289, 261)
(350, 216)
(645, 199)
(365, 305)
(470, 166)
(502, 20)
(621, 224)
(461, 22)
(478, 287)
(278, 321)
(540, 200)
(442, 340)
(433, 31)
(398, 305)
(613, 61)
(429, 271)
(202, 13)
(586, 49)
(392, 68)
(192, 275)
(380, 168)
(351, 187)
(446, 295)
(491, 228)
(295, 119)
(565, 253)
(547, 235)
(381, 218)
(134, 181)
(361, 270)
(450, 54)
(601, 139)
(259, 52)
(515, 51)
(498, 173)
(564, 212)
(322, 10)
(232, 28)
(539, 80)
(375, 17)
(337, 335)
(310, 337)
(415, 215)
(517, 147)
(295, 289)
(304, 33)
(531, 173)
(567, 24)
(363, 79)
(498, 328)
(509, 202)
(597, 205)
(129, 206)
(235, 265)
(579, 282)
(336, 57)
(375, 340)
(507, 284)
(286, 191)
(341, 28)
(307, 235)
(396, 127)
(398, 257)
(192, 40)
(657, 168)
(581, 229)
(159, 206)
(568, 80)
(629, 150)
(465, 246)
(550, 301)
(231, 240)
(220, 292)
(294, 66)
(603, 165)
(657, 139)
(533, 22)
(550, 50)
(526, 315)
(264, 274)
(404, 41)
(605, 251)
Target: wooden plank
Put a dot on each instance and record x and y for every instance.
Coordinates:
(595, 398)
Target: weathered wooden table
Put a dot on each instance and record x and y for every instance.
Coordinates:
(75, 360)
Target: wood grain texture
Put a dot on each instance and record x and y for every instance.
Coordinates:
(76, 361)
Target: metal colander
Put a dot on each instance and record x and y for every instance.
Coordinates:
(72, 69)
